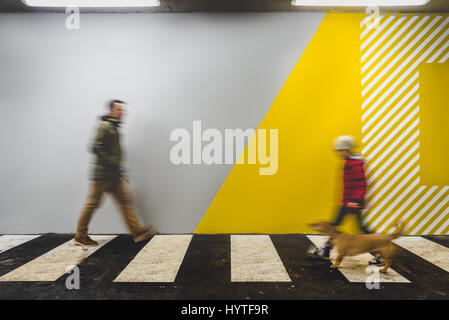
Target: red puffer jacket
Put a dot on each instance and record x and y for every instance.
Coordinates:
(354, 181)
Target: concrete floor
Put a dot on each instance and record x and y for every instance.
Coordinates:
(205, 273)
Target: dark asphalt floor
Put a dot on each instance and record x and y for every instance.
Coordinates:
(205, 274)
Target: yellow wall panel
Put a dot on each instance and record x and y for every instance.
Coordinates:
(434, 124)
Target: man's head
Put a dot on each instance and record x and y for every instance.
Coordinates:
(344, 145)
(117, 109)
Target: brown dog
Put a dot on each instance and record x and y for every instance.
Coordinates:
(352, 245)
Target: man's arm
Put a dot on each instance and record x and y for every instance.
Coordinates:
(99, 149)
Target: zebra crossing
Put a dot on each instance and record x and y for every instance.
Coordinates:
(253, 258)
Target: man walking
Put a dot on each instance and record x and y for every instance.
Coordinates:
(108, 176)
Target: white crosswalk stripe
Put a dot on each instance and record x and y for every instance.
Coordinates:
(158, 261)
(254, 258)
(53, 264)
(426, 249)
(355, 269)
(11, 241)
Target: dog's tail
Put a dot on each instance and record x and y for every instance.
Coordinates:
(400, 229)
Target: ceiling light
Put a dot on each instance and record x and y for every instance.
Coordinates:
(359, 3)
(92, 3)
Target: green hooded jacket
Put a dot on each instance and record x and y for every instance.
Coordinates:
(106, 147)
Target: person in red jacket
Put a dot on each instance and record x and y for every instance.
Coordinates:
(354, 181)
(354, 189)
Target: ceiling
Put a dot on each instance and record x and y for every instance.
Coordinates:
(224, 6)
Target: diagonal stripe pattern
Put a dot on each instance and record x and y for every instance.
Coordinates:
(391, 54)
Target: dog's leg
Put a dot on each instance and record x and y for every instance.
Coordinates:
(388, 253)
(386, 266)
(337, 262)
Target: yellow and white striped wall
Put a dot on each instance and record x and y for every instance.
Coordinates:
(387, 86)
(405, 52)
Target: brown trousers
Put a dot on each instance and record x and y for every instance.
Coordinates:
(119, 190)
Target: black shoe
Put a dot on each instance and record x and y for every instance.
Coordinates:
(377, 261)
(322, 253)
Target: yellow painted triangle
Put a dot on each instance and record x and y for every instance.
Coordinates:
(320, 100)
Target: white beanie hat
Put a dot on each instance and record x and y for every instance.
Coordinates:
(344, 143)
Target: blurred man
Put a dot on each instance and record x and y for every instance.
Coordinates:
(354, 189)
(108, 176)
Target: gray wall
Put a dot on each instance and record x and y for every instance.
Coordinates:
(222, 69)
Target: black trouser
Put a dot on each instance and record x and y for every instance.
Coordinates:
(358, 214)
(340, 216)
